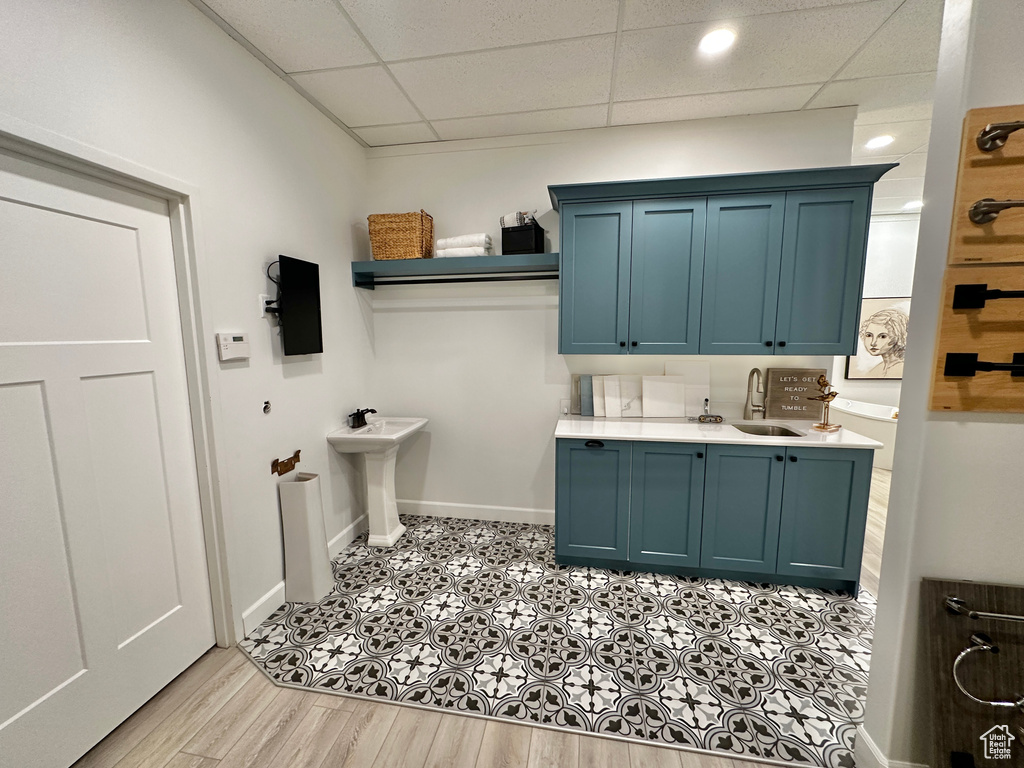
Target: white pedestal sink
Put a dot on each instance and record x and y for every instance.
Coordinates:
(378, 441)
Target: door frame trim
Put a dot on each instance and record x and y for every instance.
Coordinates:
(28, 140)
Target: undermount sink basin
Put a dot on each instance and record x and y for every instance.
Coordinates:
(379, 434)
(767, 430)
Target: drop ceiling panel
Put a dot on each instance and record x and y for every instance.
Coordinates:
(642, 14)
(775, 50)
(712, 105)
(361, 96)
(907, 137)
(916, 111)
(571, 119)
(385, 135)
(875, 93)
(892, 205)
(909, 188)
(565, 74)
(296, 34)
(908, 42)
(405, 29)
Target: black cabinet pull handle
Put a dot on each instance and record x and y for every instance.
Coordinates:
(634, 343)
(594, 444)
(974, 295)
(700, 454)
(778, 458)
(768, 343)
(984, 211)
(622, 343)
(968, 364)
(792, 458)
(782, 343)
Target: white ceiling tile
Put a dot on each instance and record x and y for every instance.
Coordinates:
(405, 29)
(571, 73)
(907, 137)
(296, 34)
(571, 119)
(361, 96)
(774, 50)
(917, 111)
(908, 42)
(877, 93)
(712, 105)
(386, 135)
(641, 14)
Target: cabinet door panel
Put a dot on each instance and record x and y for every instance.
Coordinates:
(822, 271)
(742, 502)
(666, 276)
(741, 274)
(592, 498)
(594, 278)
(666, 498)
(824, 510)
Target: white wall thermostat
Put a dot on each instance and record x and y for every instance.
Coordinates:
(233, 346)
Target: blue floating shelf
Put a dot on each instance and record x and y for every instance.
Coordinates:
(523, 266)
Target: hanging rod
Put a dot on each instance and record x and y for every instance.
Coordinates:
(974, 296)
(959, 607)
(993, 136)
(482, 279)
(983, 643)
(968, 364)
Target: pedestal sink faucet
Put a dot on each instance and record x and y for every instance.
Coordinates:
(749, 409)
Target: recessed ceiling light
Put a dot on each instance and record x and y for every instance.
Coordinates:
(717, 41)
(880, 141)
(913, 205)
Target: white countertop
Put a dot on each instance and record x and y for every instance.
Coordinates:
(683, 431)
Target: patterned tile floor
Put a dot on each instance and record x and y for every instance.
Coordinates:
(476, 617)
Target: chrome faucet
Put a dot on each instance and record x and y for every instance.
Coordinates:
(749, 409)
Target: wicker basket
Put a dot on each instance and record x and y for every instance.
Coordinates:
(401, 235)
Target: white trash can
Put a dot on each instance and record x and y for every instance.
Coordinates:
(307, 568)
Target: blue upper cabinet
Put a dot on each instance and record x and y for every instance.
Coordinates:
(593, 283)
(755, 263)
(822, 273)
(665, 277)
(743, 256)
(665, 503)
(824, 511)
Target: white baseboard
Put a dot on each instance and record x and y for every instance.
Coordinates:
(868, 755)
(260, 611)
(343, 539)
(477, 512)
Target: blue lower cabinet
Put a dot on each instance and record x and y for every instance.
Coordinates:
(666, 499)
(742, 505)
(592, 499)
(824, 511)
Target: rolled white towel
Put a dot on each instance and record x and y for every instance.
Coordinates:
(478, 251)
(518, 218)
(479, 240)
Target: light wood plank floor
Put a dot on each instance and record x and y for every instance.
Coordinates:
(223, 713)
(878, 505)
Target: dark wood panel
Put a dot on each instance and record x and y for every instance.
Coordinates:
(958, 722)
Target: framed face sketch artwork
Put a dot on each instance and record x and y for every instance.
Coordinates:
(882, 340)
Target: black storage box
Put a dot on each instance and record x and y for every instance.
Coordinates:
(525, 239)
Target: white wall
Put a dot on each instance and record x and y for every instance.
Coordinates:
(889, 272)
(481, 361)
(158, 84)
(954, 510)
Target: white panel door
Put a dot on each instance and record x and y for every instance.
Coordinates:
(104, 592)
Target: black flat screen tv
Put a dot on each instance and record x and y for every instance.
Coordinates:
(299, 307)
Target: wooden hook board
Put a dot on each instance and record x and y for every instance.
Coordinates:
(998, 175)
